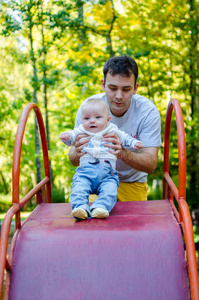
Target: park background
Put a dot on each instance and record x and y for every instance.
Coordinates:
(52, 53)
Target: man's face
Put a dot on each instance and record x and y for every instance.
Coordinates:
(119, 91)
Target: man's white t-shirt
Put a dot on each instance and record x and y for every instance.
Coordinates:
(141, 121)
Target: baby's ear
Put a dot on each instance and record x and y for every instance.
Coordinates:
(108, 119)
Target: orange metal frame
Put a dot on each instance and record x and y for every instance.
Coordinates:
(170, 190)
(42, 190)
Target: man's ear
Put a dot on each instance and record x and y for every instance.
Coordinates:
(136, 87)
(103, 85)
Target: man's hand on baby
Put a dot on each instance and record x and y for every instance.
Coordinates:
(65, 136)
(138, 145)
(81, 141)
(113, 142)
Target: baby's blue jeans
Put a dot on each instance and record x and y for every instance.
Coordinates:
(99, 179)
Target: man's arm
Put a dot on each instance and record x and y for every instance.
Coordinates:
(145, 160)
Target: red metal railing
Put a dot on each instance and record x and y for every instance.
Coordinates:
(42, 190)
(170, 190)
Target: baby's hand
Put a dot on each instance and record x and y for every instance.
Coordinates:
(65, 136)
(138, 145)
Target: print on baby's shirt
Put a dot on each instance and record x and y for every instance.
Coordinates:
(134, 136)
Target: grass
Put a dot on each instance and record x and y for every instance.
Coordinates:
(24, 215)
(6, 203)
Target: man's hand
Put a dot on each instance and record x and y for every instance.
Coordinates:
(139, 145)
(81, 141)
(75, 152)
(113, 142)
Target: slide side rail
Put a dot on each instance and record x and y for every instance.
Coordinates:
(42, 190)
(170, 190)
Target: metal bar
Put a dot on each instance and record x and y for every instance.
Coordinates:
(181, 149)
(174, 104)
(172, 185)
(14, 210)
(166, 147)
(44, 195)
(190, 248)
(17, 204)
(175, 211)
(18, 146)
(4, 241)
(45, 150)
(170, 188)
(10, 258)
(33, 192)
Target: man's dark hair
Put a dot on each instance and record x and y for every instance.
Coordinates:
(122, 65)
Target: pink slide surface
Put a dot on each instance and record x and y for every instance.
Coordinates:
(136, 253)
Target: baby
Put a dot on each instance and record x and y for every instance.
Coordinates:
(96, 173)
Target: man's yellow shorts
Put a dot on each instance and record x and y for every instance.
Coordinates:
(132, 191)
(129, 191)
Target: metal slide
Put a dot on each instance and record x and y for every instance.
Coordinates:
(136, 253)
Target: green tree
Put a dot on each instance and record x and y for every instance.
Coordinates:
(71, 40)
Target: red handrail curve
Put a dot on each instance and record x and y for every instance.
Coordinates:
(16, 203)
(170, 189)
(17, 154)
(18, 146)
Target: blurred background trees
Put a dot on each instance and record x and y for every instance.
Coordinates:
(53, 52)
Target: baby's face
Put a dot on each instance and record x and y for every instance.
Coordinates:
(94, 117)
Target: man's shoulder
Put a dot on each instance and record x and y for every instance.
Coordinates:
(141, 101)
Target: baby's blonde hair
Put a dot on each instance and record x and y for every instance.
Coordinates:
(99, 101)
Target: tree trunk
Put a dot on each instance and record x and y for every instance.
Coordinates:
(193, 71)
(35, 82)
(5, 184)
(108, 37)
(81, 32)
(109, 45)
(45, 91)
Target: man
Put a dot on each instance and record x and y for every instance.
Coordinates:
(134, 114)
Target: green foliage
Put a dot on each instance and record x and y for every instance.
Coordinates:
(155, 191)
(71, 42)
(5, 202)
(58, 195)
